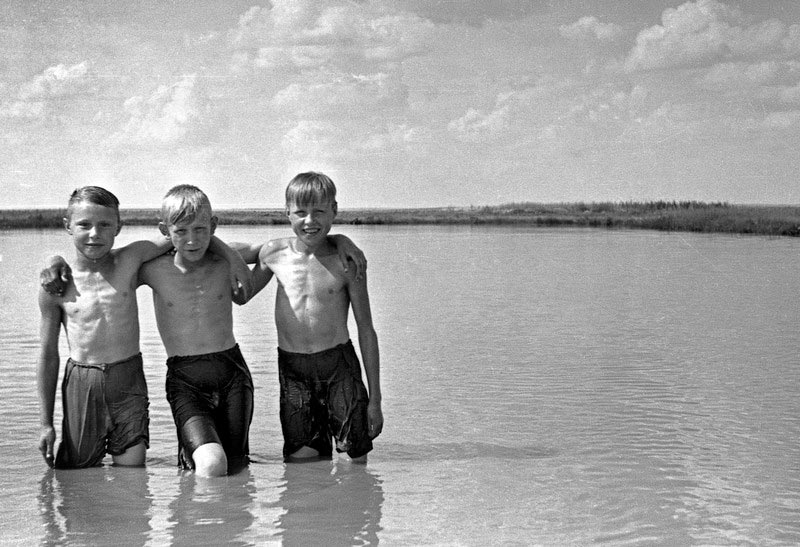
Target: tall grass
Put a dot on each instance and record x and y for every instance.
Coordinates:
(690, 216)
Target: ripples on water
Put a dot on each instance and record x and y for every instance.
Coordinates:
(540, 387)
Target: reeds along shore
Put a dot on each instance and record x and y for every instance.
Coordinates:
(687, 216)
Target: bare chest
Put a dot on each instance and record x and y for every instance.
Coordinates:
(319, 280)
(95, 295)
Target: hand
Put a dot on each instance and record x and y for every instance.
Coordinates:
(348, 252)
(374, 419)
(47, 440)
(55, 278)
(241, 282)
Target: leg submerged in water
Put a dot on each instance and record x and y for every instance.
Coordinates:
(210, 460)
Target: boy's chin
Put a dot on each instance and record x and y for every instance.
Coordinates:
(193, 256)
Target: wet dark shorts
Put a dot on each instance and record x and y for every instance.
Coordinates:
(105, 411)
(211, 397)
(323, 397)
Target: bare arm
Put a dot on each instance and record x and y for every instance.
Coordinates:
(368, 343)
(145, 250)
(47, 372)
(240, 276)
(348, 250)
(55, 277)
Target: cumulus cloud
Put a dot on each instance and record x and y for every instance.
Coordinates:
(704, 32)
(480, 125)
(591, 27)
(308, 33)
(309, 139)
(165, 117)
(343, 95)
(395, 137)
(57, 81)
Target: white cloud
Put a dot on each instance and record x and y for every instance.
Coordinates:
(166, 117)
(703, 32)
(343, 96)
(783, 120)
(305, 33)
(479, 125)
(22, 109)
(591, 27)
(737, 75)
(395, 137)
(309, 141)
(56, 81)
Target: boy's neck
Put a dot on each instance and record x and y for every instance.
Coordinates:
(323, 248)
(188, 265)
(91, 264)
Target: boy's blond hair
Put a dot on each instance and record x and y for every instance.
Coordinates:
(183, 203)
(311, 187)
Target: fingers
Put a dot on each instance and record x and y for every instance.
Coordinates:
(47, 453)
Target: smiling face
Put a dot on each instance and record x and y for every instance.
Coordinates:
(191, 239)
(311, 222)
(93, 229)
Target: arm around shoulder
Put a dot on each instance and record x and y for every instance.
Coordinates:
(146, 250)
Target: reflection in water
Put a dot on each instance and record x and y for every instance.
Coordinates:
(330, 503)
(93, 506)
(212, 511)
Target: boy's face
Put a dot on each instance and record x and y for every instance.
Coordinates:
(93, 229)
(311, 222)
(191, 239)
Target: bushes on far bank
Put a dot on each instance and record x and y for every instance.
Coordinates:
(691, 216)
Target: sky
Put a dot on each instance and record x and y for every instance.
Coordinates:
(404, 103)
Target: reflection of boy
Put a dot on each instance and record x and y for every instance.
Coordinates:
(209, 387)
(322, 393)
(104, 393)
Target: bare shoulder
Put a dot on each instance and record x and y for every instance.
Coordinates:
(274, 248)
(152, 269)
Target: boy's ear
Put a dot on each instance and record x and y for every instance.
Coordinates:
(163, 229)
(214, 221)
(335, 208)
(119, 228)
(66, 225)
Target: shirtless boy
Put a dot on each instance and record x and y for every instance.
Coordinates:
(322, 395)
(209, 387)
(104, 394)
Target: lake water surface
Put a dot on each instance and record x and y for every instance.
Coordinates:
(541, 386)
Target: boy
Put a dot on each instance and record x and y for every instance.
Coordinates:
(104, 393)
(209, 387)
(322, 394)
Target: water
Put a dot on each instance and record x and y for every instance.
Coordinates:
(540, 387)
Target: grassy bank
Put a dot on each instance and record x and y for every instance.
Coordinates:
(689, 216)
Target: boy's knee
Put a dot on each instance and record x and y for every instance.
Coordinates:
(210, 460)
(304, 454)
(133, 457)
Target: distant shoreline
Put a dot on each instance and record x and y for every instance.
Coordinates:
(684, 216)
